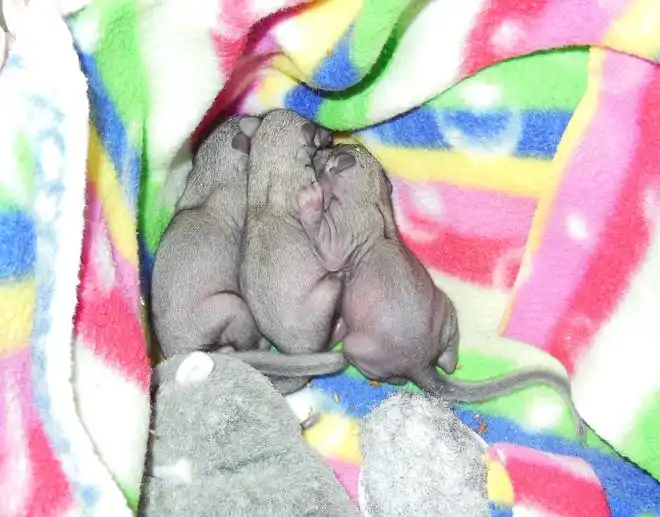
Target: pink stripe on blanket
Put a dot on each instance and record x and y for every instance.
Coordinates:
(105, 317)
(235, 20)
(111, 268)
(573, 21)
(558, 485)
(230, 33)
(347, 474)
(486, 262)
(108, 325)
(434, 224)
(493, 215)
(585, 199)
(52, 496)
(623, 246)
(31, 478)
(509, 28)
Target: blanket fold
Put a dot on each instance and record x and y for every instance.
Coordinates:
(526, 186)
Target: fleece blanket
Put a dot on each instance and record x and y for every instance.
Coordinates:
(527, 188)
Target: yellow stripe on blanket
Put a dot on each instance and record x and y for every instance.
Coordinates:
(636, 32)
(335, 436)
(309, 37)
(103, 178)
(17, 301)
(525, 177)
(500, 490)
(273, 89)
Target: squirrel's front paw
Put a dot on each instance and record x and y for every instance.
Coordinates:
(310, 203)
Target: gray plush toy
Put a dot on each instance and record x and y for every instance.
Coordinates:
(225, 443)
(420, 459)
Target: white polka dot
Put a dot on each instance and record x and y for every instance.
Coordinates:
(505, 263)
(427, 201)
(408, 228)
(507, 35)
(576, 227)
(481, 95)
(500, 143)
(544, 413)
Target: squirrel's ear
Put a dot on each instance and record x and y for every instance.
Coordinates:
(322, 138)
(249, 125)
(340, 162)
(308, 131)
(194, 368)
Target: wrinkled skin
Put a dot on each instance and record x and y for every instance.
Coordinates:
(396, 324)
(195, 297)
(291, 295)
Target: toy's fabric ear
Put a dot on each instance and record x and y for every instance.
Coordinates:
(249, 125)
(241, 143)
(340, 162)
(180, 473)
(322, 137)
(195, 368)
(309, 130)
(420, 459)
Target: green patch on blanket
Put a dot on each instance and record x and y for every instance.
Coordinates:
(643, 433)
(519, 406)
(19, 194)
(556, 79)
(348, 109)
(370, 38)
(120, 63)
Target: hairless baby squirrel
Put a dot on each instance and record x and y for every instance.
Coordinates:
(292, 296)
(195, 296)
(398, 325)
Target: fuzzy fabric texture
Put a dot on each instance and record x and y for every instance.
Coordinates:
(49, 463)
(527, 188)
(420, 459)
(242, 452)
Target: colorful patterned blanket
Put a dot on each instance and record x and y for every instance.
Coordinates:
(528, 188)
